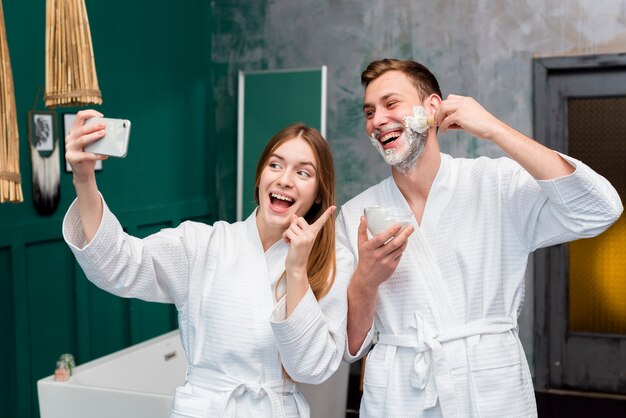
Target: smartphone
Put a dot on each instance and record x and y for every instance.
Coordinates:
(115, 140)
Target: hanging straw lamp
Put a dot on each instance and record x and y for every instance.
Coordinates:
(10, 179)
(70, 68)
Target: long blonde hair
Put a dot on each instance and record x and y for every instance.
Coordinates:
(321, 264)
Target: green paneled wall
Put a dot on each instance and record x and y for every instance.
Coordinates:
(51, 306)
(7, 347)
(154, 67)
(298, 95)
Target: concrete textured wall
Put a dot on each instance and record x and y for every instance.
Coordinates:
(478, 48)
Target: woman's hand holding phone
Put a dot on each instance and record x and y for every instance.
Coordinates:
(83, 163)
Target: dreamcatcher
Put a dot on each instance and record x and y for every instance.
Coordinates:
(45, 159)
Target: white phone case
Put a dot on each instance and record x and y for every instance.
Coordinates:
(115, 141)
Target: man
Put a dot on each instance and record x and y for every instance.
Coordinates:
(442, 296)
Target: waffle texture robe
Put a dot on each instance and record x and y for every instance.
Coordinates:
(234, 333)
(446, 320)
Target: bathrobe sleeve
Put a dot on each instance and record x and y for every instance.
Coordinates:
(548, 212)
(311, 341)
(344, 241)
(154, 269)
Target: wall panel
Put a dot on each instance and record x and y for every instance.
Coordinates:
(51, 304)
(108, 326)
(7, 347)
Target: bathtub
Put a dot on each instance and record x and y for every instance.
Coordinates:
(140, 381)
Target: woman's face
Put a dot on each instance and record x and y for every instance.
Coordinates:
(288, 184)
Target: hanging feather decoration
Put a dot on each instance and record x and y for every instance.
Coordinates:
(46, 164)
(10, 179)
(70, 67)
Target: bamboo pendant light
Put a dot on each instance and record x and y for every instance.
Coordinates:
(70, 67)
(10, 179)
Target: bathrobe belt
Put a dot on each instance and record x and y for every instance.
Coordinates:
(431, 371)
(234, 388)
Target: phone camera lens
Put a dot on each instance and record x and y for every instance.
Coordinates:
(124, 125)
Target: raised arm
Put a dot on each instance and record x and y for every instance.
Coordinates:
(310, 333)
(541, 162)
(83, 169)
(301, 237)
(580, 202)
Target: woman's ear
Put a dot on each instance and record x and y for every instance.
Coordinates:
(318, 199)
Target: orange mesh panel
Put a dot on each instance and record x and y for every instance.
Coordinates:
(597, 266)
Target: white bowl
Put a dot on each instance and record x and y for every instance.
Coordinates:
(380, 218)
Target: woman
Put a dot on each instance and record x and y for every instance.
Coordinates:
(246, 293)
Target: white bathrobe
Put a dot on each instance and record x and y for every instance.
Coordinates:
(446, 320)
(234, 333)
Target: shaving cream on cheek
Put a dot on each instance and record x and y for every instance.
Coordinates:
(376, 144)
(410, 144)
(405, 154)
(419, 121)
(393, 155)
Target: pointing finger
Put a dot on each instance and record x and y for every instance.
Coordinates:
(317, 225)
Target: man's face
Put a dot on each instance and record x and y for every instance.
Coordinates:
(388, 100)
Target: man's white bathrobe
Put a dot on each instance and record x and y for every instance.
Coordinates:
(234, 333)
(446, 320)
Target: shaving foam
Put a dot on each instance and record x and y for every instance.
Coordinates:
(405, 157)
(419, 122)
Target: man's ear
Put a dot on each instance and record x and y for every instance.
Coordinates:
(432, 103)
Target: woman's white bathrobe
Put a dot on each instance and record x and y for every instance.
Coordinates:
(446, 319)
(234, 333)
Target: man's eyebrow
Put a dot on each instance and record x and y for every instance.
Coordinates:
(385, 97)
(388, 95)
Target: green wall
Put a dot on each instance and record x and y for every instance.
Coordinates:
(299, 96)
(153, 61)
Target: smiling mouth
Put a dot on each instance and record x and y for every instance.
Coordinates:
(389, 137)
(388, 133)
(281, 201)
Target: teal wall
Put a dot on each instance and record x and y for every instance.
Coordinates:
(154, 68)
(298, 93)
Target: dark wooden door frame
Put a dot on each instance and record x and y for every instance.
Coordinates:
(550, 264)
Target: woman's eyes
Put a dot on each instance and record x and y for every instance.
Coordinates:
(278, 166)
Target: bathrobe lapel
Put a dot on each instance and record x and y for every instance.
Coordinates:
(419, 257)
(268, 266)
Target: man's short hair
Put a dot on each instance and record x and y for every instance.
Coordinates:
(423, 80)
